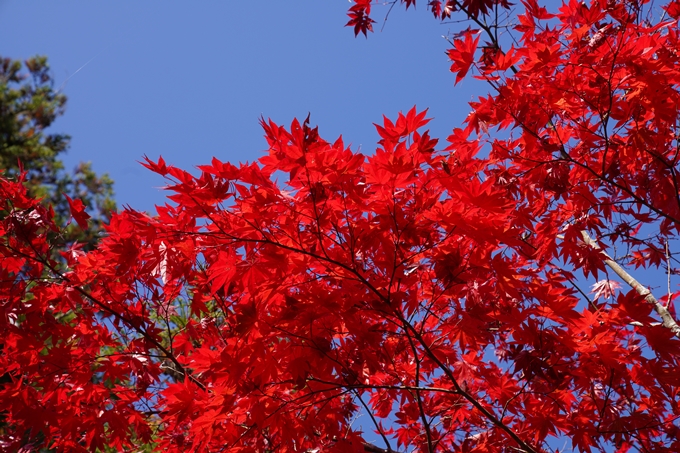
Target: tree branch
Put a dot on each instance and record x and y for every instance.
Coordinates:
(665, 315)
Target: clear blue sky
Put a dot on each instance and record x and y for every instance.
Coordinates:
(189, 80)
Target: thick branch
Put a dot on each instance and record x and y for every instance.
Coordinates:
(370, 448)
(665, 315)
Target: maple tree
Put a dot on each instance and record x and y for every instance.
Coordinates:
(439, 290)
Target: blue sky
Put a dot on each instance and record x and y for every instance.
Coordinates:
(189, 81)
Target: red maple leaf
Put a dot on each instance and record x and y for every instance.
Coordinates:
(463, 54)
(78, 211)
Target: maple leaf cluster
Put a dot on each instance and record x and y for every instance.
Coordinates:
(359, 13)
(436, 289)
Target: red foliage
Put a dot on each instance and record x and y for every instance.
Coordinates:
(359, 17)
(78, 211)
(439, 290)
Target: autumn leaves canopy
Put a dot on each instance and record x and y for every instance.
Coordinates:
(438, 288)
